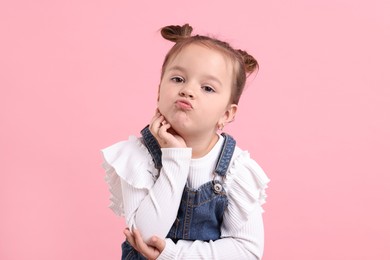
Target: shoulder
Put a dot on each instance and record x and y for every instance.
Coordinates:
(128, 152)
(128, 162)
(127, 158)
(132, 147)
(246, 170)
(245, 183)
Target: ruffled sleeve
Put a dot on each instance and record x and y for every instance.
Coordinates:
(131, 162)
(246, 183)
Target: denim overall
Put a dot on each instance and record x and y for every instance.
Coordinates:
(201, 210)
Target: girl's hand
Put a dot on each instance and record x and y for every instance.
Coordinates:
(163, 132)
(151, 250)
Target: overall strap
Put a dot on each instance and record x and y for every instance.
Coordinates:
(153, 147)
(226, 155)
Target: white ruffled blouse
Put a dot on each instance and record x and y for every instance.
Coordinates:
(149, 199)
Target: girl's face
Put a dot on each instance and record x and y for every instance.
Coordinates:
(195, 91)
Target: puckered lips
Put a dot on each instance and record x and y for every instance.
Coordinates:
(183, 104)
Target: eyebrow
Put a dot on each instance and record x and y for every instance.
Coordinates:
(177, 68)
(209, 77)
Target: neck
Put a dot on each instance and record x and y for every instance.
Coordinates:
(201, 145)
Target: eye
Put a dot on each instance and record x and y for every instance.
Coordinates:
(177, 79)
(208, 89)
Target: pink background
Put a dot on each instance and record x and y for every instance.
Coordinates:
(77, 76)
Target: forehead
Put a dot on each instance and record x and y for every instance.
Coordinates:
(201, 57)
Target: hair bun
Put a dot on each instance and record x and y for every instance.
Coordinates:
(250, 63)
(175, 33)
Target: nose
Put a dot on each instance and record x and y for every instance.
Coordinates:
(187, 91)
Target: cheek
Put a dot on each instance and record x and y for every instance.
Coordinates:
(159, 103)
(162, 103)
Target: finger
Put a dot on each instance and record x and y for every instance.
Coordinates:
(127, 232)
(163, 131)
(156, 115)
(164, 126)
(152, 121)
(130, 238)
(143, 248)
(138, 238)
(156, 124)
(157, 243)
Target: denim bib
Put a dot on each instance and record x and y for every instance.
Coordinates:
(201, 210)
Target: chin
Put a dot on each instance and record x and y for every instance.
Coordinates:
(173, 131)
(179, 129)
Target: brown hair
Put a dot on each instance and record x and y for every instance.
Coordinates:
(244, 63)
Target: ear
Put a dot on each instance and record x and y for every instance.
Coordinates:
(229, 114)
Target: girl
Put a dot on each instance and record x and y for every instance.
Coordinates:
(183, 180)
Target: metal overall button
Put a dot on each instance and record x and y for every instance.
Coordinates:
(217, 187)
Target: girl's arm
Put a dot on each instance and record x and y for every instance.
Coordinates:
(248, 243)
(147, 202)
(153, 211)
